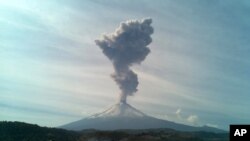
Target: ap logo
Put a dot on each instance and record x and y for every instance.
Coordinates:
(239, 132)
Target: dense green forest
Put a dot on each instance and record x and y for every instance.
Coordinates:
(19, 131)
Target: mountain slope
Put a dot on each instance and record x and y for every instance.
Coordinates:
(124, 116)
(119, 110)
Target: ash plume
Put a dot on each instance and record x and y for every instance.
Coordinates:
(125, 47)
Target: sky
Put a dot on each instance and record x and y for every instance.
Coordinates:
(52, 72)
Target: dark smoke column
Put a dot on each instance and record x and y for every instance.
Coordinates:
(125, 47)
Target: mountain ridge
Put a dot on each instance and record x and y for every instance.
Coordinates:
(124, 116)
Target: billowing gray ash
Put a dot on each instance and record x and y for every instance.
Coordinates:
(125, 47)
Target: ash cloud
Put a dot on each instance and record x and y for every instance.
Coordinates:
(125, 47)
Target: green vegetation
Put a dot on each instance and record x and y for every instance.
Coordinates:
(19, 131)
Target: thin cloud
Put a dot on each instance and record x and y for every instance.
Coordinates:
(212, 125)
(187, 119)
(193, 119)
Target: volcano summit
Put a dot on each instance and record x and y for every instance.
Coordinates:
(127, 46)
(124, 116)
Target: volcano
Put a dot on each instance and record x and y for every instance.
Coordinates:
(124, 116)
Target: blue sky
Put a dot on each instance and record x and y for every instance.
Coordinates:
(51, 71)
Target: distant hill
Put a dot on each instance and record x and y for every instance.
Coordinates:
(19, 131)
(124, 116)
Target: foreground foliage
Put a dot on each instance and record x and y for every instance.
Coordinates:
(19, 131)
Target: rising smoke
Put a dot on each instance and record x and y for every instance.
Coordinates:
(125, 47)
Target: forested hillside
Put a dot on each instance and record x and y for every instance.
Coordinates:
(19, 131)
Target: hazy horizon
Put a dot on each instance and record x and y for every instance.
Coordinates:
(197, 73)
